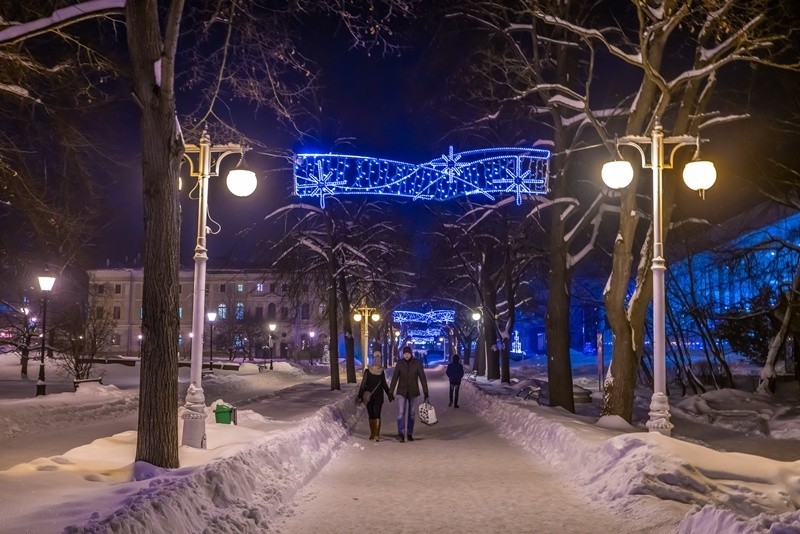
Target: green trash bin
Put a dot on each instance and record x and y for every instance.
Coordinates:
(225, 414)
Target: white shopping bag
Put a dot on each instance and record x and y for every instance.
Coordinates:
(427, 414)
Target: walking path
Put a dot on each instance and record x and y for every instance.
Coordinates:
(457, 476)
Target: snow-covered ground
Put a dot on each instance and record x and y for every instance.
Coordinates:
(259, 476)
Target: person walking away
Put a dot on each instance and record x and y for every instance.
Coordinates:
(455, 372)
(374, 382)
(408, 374)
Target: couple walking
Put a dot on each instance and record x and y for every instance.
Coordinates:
(408, 374)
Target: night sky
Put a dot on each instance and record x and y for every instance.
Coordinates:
(398, 107)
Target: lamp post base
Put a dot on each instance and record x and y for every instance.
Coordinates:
(659, 415)
(194, 418)
(194, 429)
(41, 389)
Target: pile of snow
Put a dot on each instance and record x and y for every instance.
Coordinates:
(238, 493)
(624, 471)
(752, 413)
(90, 403)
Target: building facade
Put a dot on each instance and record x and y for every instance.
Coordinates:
(246, 302)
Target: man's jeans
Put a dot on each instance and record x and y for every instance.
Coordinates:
(406, 412)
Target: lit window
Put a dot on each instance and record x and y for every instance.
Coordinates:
(239, 288)
(260, 287)
(222, 311)
(239, 314)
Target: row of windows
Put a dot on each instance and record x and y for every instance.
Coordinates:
(272, 309)
(239, 287)
(101, 289)
(222, 312)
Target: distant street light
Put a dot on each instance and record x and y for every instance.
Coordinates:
(241, 182)
(46, 285)
(140, 345)
(699, 176)
(364, 312)
(211, 316)
(271, 343)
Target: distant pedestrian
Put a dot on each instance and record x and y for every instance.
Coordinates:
(408, 374)
(455, 372)
(373, 384)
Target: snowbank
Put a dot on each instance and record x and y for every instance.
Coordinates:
(239, 493)
(624, 470)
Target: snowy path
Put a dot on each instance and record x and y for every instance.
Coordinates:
(445, 481)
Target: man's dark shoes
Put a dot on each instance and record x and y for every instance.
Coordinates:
(456, 406)
(451, 403)
(410, 437)
(401, 439)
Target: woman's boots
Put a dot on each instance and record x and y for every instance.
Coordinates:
(374, 429)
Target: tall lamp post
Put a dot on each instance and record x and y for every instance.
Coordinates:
(366, 313)
(271, 343)
(477, 317)
(46, 285)
(211, 316)
(699, 176)
(241, 182)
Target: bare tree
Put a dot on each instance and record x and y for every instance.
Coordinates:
(83, 333)
(153, 33)
(351, 251)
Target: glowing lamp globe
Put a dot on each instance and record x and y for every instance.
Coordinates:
(241, 182)
(699, 175)
(617, 174)
(357, 317)
(476, 316)
(376, 317)
(46, 283)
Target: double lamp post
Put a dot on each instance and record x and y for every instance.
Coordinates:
(698, 176)
(241, 181)
(366, 313)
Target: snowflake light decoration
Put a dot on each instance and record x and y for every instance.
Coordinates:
(476, 172)
(520, 182)
(431, 317)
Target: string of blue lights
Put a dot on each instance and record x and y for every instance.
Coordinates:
(487, 172)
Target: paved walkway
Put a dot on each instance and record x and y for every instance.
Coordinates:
(457, 476)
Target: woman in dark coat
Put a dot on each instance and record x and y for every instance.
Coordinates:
(374, 382)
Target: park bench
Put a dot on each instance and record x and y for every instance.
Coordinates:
(76, 383)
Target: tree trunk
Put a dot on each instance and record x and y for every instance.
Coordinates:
(347, 326)
(766, 381)
(162, 151)
(24, 357)
(559, 364)
(333, 326)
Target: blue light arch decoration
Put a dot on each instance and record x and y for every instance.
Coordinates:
(431, 317)
(487, 172)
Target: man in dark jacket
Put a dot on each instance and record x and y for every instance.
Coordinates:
(408, 374)
(455, 372)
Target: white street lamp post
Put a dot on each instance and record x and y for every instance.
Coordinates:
(46, 285)
(241, 182)
(366, 313)
(699, 176)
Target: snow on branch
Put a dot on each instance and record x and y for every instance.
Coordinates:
(587, 33)
(60, 18)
